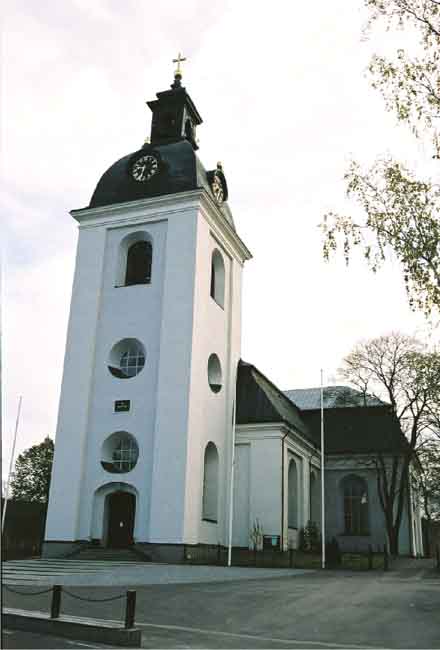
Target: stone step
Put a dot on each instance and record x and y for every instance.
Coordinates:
(109, 555)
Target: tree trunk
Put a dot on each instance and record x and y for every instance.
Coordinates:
(393, 538)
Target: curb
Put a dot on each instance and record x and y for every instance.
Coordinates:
(84, 629)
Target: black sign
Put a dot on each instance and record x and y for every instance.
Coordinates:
(122, 405)
(271, 541)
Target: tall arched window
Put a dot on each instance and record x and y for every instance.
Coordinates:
(355, 497)
(138, 269)
(315, 499)
(292, 495)
(218, 278)
(210, 483)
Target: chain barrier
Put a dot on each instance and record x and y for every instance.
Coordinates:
(27, 593)
(59, 590)
(93, 600)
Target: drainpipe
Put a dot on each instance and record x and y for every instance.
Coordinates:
(282, 491)
(412, 540)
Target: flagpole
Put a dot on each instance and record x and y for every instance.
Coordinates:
(231, 488)
(11, 464)
(322, 474)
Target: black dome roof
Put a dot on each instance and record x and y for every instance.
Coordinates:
(179, 170)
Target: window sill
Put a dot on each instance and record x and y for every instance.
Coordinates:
(217, 303)
(210, 521)
(136, 284)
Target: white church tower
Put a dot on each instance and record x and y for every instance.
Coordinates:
(143, 443)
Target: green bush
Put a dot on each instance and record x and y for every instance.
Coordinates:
(310, 538)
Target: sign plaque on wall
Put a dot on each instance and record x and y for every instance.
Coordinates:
(122, 405)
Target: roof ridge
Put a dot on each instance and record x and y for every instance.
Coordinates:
(325, 387)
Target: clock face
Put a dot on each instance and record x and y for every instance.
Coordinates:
(144, 168)
(217, 189)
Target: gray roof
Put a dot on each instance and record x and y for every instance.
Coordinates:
(351, 425)
(259, 401)
(309, 399)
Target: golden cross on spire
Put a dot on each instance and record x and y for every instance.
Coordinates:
(179, 60)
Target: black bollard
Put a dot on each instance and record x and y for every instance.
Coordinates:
(56, 602)
(130, 609)
(291, 557)
(385, 558)
(438, 557)
(370, 557)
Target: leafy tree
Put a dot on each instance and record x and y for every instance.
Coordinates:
(429, 482)
(402, 371)
(32, 473)
(401, 212)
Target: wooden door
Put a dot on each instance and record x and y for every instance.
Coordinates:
(122, 507)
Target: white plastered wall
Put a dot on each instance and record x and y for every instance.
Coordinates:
(120, 317)
(177, 321)
(204, 416)
(270, 449)
(71, 437)
(216, 330)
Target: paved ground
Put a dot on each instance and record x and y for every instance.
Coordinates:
(18, 639)
(332, 609)
(98, 573)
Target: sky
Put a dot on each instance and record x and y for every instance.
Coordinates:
(286, 103)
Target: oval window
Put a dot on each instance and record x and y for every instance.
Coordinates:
(214, 373)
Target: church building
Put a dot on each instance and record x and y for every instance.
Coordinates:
(156, 406)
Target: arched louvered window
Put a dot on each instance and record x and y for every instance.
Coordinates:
(355, 497)
(218, 278)
(139, 257)
(292, 495)
(210, 484)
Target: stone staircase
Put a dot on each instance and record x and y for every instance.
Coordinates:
(95, 553)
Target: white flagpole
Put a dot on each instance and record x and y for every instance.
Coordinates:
(322, 474)
(231, 488)
(11, 464)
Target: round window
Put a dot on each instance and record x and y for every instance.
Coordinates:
(214, 373)
(127, 358)
(119, 453)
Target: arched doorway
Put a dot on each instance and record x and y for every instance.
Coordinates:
(121, 507)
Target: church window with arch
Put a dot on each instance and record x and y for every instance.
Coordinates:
(315, 498)
(218, 278)
(215, 380)
(355, 496)
(292, 495)
(210, 484)
(139, 259)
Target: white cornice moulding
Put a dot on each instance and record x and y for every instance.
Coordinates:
(220, 224)
(158, 208)
(145, 209)
(275, 430)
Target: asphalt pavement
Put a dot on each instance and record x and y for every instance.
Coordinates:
(331, 609)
